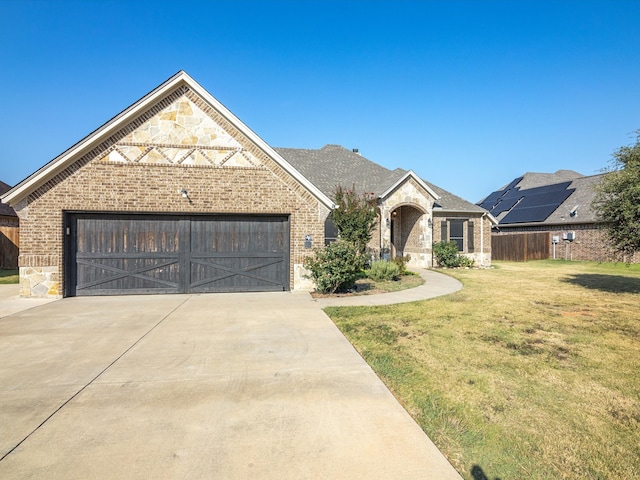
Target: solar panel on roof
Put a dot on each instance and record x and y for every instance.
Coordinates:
(505, 205)
(489, 202)
(533, 204)
(529, 214)
(533, 209)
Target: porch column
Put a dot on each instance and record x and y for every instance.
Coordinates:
(385, 232)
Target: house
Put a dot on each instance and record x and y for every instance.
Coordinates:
(558, 205)
(414, 213)
(176, 195)
(9, 233)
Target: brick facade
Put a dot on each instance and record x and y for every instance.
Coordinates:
(481, 253)
(178, 138)
(409, 208)
(180, 143)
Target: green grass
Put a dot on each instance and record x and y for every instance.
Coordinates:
(9, 276)
(531, 371)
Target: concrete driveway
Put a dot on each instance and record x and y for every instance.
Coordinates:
(228, 386)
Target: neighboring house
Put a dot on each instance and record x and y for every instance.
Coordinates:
(9, 233)
(176, 195)
(558, 204)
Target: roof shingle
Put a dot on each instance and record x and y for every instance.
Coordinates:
(334, 165)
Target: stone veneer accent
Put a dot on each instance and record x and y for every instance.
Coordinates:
(413, 207)
(113, 178)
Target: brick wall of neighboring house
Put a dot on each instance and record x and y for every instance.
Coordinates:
(109, 178)
(481, 235)
(590, 243)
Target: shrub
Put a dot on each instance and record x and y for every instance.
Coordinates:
(335, 267)
(382, 271)
(402, 263)
(446, 255)
(466, 261)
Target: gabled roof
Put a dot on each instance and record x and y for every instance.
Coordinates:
(319, 171)
(409, 174)
(6, 210)
(563, 197)
(179, 80)
(334, 165)
(537, 179)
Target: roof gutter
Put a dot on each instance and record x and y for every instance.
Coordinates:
(504, 226)
(483, 213)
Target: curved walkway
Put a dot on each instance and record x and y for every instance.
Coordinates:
(435, 285)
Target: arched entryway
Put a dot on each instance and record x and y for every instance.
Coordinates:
(409, 233)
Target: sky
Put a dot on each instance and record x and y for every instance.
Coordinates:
(467, 94)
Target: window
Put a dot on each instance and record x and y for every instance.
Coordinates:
(330, 232)
(453, 230)
(456, 233)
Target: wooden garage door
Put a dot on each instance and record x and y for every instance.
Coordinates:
(140, 254)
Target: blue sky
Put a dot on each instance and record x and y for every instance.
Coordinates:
(468, 94)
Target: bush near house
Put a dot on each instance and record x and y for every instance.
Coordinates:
(446, 255)
(383, 271)
(335, 267)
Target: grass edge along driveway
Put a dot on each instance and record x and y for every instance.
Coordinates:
(531, 371)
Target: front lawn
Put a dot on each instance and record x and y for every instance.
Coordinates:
(531, 371)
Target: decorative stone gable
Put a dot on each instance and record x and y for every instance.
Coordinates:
(410, 208)
(409, 193)
(181, 134)
(180, 156)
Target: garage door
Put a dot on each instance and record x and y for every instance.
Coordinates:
(140, 254)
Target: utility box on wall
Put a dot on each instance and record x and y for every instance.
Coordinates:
(570, 236)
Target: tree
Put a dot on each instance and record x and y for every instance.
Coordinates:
(617, 200)
(354, 217)
(338, 265)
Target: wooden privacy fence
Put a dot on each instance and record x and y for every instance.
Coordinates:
(9, 247)
(520, 247)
